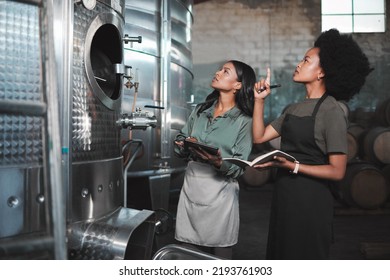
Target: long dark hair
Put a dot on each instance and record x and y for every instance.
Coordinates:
(244, 96)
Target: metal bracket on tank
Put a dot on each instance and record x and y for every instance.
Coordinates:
(125, 70)
(135, 39)
(128, 39)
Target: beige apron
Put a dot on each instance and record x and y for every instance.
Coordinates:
(207, 213)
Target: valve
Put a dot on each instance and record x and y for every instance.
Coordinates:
(137, 120)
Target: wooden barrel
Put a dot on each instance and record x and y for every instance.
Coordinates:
(363, 116)
(382, 113)
(354, 137)
(254, 178)
(363, 186)
(386, 173)
(376, 145)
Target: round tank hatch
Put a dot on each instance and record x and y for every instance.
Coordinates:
(103, 52)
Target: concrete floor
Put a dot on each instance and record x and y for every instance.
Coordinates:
(358, 234)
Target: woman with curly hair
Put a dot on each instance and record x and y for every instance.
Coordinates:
(207, 213)
(314, 131)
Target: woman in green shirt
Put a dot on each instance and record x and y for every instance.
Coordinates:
(207, 214)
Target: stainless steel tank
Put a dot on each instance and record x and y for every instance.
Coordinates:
(96, 91)
(99, 225)
(162, 63)
(21, 144)
(29, 135)
(65, 56)
(91, 96)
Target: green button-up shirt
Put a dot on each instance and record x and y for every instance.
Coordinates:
(231, 133)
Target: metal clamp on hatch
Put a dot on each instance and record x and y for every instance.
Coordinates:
(126, 72)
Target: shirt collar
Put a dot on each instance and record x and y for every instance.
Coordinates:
(232, 113)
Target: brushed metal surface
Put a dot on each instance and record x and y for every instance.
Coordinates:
(144, 18)
(21, 132)
(94, 115)
(20, 80)
(97, 188)
(111, 236)
(22, 201)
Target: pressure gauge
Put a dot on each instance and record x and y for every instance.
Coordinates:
(89, 4)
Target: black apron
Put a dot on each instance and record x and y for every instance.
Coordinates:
(302, 206)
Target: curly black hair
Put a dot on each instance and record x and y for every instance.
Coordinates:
(344, 63)
(244, 96)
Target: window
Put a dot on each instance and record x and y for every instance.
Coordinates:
(353, 16)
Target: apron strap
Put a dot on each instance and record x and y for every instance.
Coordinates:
(319, 104)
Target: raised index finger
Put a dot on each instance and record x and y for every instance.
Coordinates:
(268, 79)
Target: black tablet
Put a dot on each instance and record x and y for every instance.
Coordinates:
(196, 145)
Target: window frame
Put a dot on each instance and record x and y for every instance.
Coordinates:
(352, 19)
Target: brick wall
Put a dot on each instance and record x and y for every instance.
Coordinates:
(275, 33)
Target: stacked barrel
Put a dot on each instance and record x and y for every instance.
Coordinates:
(366, 182)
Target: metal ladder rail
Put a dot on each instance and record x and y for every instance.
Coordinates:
(54, 186)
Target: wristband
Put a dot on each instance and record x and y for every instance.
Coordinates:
(296, 168)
